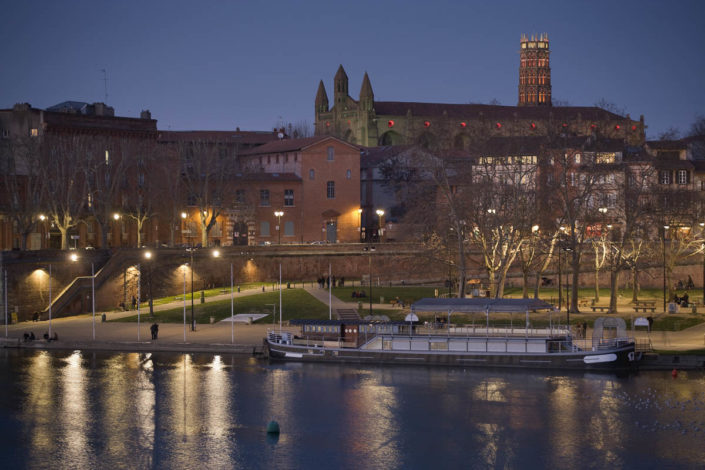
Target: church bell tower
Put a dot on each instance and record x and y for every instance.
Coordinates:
(534, 71)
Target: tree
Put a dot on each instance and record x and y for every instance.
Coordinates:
(206, 170)
(105, 171)
(20, 163)
(63, 161)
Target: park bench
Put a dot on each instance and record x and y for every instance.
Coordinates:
(644, 308)
(601, 308)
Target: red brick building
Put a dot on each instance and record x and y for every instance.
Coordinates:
(314, 182)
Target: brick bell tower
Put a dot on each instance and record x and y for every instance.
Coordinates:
(534, 71)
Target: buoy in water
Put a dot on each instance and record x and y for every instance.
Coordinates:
(273, 427)
(674, 373)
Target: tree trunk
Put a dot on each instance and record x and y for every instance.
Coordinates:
(614, 277)
(537, 285)
(64, 237)
(575, 276)
(597, 277)
(525, 285)
(635, 284)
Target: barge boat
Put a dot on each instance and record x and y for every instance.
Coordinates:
(410, 342)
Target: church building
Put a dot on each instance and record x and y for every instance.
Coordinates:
(368, 122)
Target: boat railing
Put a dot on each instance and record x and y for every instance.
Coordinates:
(496, 331)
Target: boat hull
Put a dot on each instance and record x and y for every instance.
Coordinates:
(618, 358)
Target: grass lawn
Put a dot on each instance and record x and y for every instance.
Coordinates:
(408, 294)
(297, 303)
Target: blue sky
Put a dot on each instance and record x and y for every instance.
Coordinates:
(226, 64)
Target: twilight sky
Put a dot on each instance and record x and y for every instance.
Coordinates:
(218, 65)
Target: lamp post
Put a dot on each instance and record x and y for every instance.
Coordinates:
(193, 321)
(74, 258)
(359, 224)
(702, 231)
(369, 249)
(116, 217)
(380, 215)
(665, 228)
(279, 215)
(148, 257)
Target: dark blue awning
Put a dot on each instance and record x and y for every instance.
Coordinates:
(479, 305)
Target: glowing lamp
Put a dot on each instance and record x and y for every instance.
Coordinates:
(390, 123)
(633, 128)
(463, 124)
(617, 127)
(565, 125)
(498, 125)
(427, 123)
(593, 126)
(327, 124)
(533, 125)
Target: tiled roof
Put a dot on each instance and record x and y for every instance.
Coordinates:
(229, 137)
(69, 105)
(473, 111)
(268, 177)
(289, 145)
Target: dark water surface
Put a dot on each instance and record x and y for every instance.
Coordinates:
(108, 410)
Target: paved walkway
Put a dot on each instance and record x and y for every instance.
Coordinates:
(77, 331)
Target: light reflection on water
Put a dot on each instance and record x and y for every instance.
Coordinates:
(94, 410)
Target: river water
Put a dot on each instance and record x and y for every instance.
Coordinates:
(87, 410)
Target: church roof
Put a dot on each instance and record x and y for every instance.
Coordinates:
(473, 111)
(366, 88)
(321, 95)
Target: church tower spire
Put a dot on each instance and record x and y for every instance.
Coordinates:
(341, 85)
(367, 97)
(534, 71)
(321, 99)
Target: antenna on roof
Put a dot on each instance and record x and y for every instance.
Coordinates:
(105, 84)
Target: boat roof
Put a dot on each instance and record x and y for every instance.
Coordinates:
(303, 321)
(479, 304)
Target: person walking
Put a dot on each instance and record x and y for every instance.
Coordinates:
(155, 330)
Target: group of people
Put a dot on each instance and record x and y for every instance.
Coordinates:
(681, 300)
(685, 285)
(30, 337)
(358, 294)
(325, 281)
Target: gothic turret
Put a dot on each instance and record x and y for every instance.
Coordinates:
(321, 99)
(341, 85)
(367, 97)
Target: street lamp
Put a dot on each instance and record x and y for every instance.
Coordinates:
(369, 249)
(74, 258)
(116, 217)
(193, 321)
(279, 215)
(380, 215)
(665, 228)
(359, 224)
(148, 257)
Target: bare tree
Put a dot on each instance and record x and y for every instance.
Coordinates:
(67, 195)
(206, 170)
(20, 163)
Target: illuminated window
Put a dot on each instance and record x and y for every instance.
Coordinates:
(682, 177)
(34, 132)
(665, 177)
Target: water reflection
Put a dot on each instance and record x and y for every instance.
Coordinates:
(92, 410)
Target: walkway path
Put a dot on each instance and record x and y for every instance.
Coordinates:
(76, 332)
